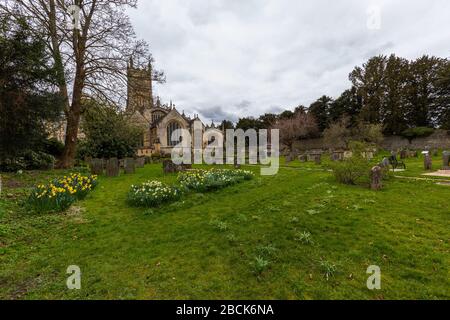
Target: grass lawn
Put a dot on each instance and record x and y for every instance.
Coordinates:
(248, 241)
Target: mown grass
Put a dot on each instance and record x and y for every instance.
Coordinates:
(241, 242)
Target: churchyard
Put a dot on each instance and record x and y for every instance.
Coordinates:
(299, 234)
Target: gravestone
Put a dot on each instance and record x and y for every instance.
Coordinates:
(428, 162)
(140, 162)
(318, 159)
(121, 163)
(337, 156)
(129, 166)
(403, 154)
(170, 167)
(96, 166)
(446, 160)
(385, 162)
(303, 158)
(112, 167)
(376, 177)
(288, 158)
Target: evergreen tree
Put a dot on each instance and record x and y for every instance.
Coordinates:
(28, 95)
(320, 111)
(369, 82)
(393, 109)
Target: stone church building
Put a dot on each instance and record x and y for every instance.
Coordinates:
(158, 120)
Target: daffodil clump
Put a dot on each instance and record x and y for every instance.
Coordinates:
(59, 194)
(206, 180)
(152, 194)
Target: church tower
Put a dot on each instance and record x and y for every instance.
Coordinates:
(140, 91)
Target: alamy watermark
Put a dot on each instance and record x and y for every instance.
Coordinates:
(374, 280)
(74, 12)
(260, 147)
(373, 17)
(74, 280)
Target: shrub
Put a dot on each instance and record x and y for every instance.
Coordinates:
(28, 160)
(59, 194)
(207, 180)
(350, 170)
(152, 194)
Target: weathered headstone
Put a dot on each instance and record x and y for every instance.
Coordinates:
(385, 162)
(129, 166)
(112, 167)
(96, 166)
(170, 167)
(376, 178)
(428, 162)
(318, 159)
(446, 160)
(303, 158)
(140, 162)
(288, 158)
(337, 156)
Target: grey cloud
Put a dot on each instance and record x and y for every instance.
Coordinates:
(280, 53)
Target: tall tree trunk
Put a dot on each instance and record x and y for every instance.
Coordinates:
(73, 121)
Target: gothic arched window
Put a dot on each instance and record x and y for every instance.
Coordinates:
(171, 127)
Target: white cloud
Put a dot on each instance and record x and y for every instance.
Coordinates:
(274, 54)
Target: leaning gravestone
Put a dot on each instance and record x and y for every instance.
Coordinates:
(376, 177)
(446, 160)
(112, 167)
(96, 166)
(303, 158)
(428, 162)
(129, 166)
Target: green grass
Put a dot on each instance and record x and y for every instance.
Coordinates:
(241, 242)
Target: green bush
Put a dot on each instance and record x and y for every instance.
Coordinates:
(353, 169)
(152, 194)
(28, 160)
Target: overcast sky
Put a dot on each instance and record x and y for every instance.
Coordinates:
(233, 58)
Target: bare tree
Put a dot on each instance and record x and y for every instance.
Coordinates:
(91, 58)
(301, 126)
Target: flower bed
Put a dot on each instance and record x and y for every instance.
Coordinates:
(207, 180)
(152, 194)
(59, 194)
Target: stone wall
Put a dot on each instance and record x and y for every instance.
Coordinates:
(438, 140)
